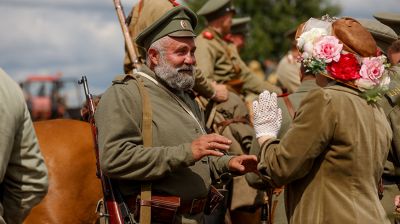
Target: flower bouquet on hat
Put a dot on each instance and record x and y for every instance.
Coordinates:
(324, 53)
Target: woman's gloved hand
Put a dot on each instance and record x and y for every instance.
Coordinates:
(267, 115)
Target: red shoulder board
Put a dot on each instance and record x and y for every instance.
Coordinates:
(174, 3)
(208, 35)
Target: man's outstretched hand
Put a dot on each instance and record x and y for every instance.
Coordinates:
(243, 164)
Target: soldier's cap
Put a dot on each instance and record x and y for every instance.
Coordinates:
(214, 9)
(390, 19)
(383, 35)
(177, 22)
(240, 25)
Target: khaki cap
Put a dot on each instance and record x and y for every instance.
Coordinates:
(214, 9)
(383, 35)
(390, 19)
(177, 22)
(240, 25)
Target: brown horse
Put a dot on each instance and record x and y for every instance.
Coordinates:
(68, 151)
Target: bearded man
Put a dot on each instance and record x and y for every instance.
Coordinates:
(182, 159)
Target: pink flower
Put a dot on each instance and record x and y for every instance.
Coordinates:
(372, 69)
(328, 49)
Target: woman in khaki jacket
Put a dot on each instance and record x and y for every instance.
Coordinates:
(332, 157)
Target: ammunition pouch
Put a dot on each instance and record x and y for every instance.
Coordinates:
(163, 208)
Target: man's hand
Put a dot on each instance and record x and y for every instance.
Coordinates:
(243, 164)
(221, 92)
(210, 145)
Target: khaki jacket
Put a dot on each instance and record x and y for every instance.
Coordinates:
(169, 163)
(288, 72)
(23, 174)
(221, 62)
(331, 159)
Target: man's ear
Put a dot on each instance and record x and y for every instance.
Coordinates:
(153, 56)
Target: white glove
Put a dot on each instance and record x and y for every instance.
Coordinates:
(267, 115)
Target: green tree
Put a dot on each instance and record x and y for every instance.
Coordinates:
(271, 19)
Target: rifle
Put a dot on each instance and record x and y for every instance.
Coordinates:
(116, 211)
(132, 52)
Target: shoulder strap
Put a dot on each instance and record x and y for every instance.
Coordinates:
(289, 106)
(145, 188)
(177, 99)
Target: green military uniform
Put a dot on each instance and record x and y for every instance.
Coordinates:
(23, 174)
(176, 121)
(327, 166)
(216, 59)
(384, 36)
(221, 62)
(288, 72)
(391, 174)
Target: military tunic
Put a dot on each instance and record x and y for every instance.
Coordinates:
(23, 174)
(391, 174)
(288, 73)
(220, 62)
(331, 159)
(169, 163)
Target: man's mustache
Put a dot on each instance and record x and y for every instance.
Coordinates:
(185, 68)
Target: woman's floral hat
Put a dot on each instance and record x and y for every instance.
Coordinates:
(343, 50)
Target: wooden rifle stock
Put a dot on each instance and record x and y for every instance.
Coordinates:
(116, 211)
(132, 52)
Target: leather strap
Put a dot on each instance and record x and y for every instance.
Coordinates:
(177, 99)
(145, 188)
(289, 106)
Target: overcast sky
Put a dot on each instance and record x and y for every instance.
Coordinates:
(83, 37)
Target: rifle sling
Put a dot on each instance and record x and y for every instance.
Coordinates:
(145, 188)
(289, 106)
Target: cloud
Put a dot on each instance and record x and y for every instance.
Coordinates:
(366, 8)
(44, 37)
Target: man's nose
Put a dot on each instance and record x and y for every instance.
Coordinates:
(190, 59)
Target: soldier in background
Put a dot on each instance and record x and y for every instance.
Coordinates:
(239, 31)
(288, 68)
(216, 59)
(385, 37)
(23, 173)
(394, 52)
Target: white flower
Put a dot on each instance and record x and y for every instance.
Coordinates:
(364, 84)
(385, 82)
(306, 40)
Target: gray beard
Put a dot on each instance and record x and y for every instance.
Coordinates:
(181, 78)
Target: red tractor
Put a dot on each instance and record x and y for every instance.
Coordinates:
(52, 96)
